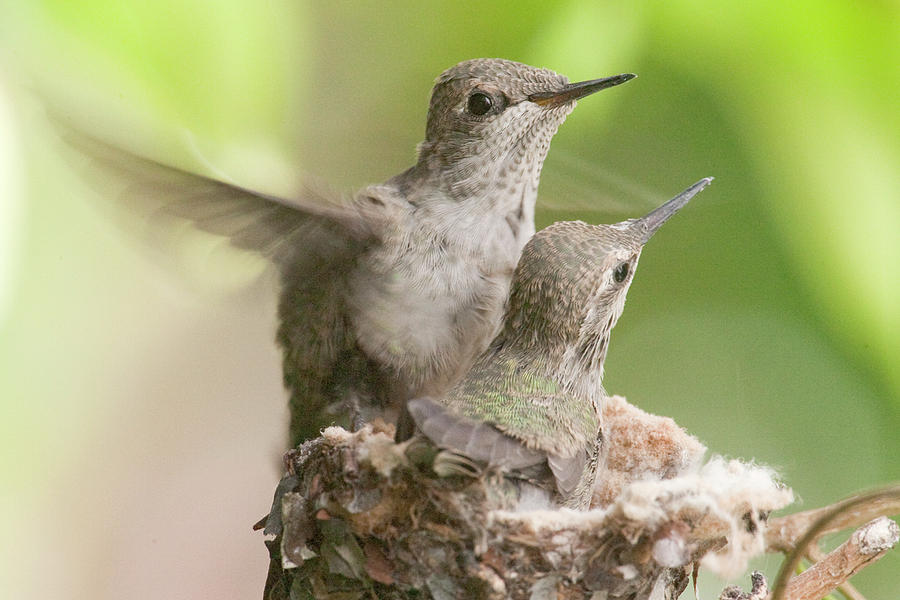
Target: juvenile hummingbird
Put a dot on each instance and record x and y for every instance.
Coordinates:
(532, 402)
(393, 293)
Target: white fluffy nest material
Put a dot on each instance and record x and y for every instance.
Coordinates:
(657, 496)
(655, 483)
(717, 512)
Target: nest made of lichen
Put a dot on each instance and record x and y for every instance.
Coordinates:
(365, 517)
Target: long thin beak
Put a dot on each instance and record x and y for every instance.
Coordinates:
(651, 222)
(574, 91)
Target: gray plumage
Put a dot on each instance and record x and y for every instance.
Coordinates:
(393, 293)
(534, 397)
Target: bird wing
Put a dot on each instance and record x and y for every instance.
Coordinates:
(515, 432)
(527, 406)
(251, 220)
(475, 439)
(314, 239)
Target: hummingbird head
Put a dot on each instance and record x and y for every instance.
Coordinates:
(569, 287)
(490, 122)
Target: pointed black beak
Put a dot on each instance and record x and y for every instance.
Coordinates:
(651, 222)
(574, 91)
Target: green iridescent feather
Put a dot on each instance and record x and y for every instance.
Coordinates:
(524, 403)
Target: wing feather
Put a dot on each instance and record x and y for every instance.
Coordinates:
(271, 225)
(474, 439)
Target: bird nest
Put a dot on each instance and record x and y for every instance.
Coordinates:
(358, 516)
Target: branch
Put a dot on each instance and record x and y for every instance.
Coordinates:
(814, 554)
(784, 532)
(865, 546)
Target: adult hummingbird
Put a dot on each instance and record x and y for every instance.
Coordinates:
(393, 293)
(532, 402)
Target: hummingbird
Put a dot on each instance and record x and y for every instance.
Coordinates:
(532, 402)
(393, 293)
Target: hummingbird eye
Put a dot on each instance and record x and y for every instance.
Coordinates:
(620, 272)
(479, 104)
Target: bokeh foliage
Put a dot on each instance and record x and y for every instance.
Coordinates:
(764, 318)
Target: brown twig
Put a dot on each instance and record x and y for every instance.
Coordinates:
(867, 544)
(783, 532)
(845, 560)
(815, 554)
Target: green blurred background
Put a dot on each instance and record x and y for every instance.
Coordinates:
(141, 411)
